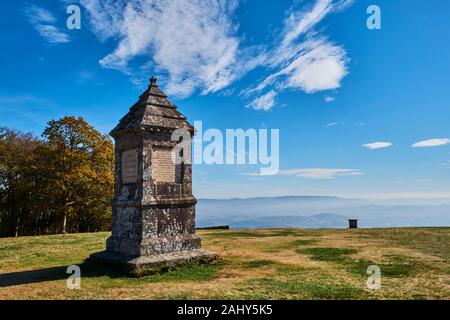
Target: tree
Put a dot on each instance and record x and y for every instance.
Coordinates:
(16, 158)
(78, 165)
(61, 183)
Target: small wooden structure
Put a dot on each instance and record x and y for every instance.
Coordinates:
(353, 223)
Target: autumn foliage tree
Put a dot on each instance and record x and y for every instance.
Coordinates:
(16, 181)
(61, 183)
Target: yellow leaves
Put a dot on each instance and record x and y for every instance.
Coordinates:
(73, 165)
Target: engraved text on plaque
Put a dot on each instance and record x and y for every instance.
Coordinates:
(163, 166)
(129, 166)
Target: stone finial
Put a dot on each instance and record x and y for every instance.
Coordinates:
(153, 81)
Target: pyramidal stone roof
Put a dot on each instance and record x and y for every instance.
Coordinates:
(152, 111)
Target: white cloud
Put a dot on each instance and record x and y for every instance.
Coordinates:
(44, 22)
(86, 77)
(378, 145)
(300, 22)
(304, 60)
(332, 124)
(192, 42)
(431, 143)
(319, 66)
(320, 173)
(14, 100)
(329, 99)
(265, 102)
(194, 45)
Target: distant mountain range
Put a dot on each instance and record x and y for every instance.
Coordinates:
(322, 212)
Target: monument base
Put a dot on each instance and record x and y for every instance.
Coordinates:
(145, 265)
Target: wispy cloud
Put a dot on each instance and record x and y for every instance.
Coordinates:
(193, 43)
(45, 23)
(195, 46)
(86, 77)
(30, 110)
(424, 180)
(320, 173)
(329, 99)
(446, 165)
(265, 102)
(378, 145)
(300, 22)
(303, 59)
(431, 143)
(332, 124)
(7, 101)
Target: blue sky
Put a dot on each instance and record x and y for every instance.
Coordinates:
(311, 69)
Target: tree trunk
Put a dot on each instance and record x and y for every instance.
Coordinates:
(63, 231)
(16, 234)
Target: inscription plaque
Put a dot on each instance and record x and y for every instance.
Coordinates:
(129, 166)
(163, 166)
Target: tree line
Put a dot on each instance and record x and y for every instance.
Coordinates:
(60, 182)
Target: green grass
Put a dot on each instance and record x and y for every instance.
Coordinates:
(395, 266)
(257, 264)
(279, 247)
(434, 241)
(304, 242)
(48, 251)
(358, 266)
(327, 254)
(188, 272)
(399, 266)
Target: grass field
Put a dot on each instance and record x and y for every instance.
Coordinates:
(256, 264)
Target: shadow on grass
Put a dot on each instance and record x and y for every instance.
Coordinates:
(32, 276)
(187, 271)
(56, 273)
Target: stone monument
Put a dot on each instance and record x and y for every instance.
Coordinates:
(153, 223)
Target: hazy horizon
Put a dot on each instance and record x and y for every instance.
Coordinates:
(322, 212)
